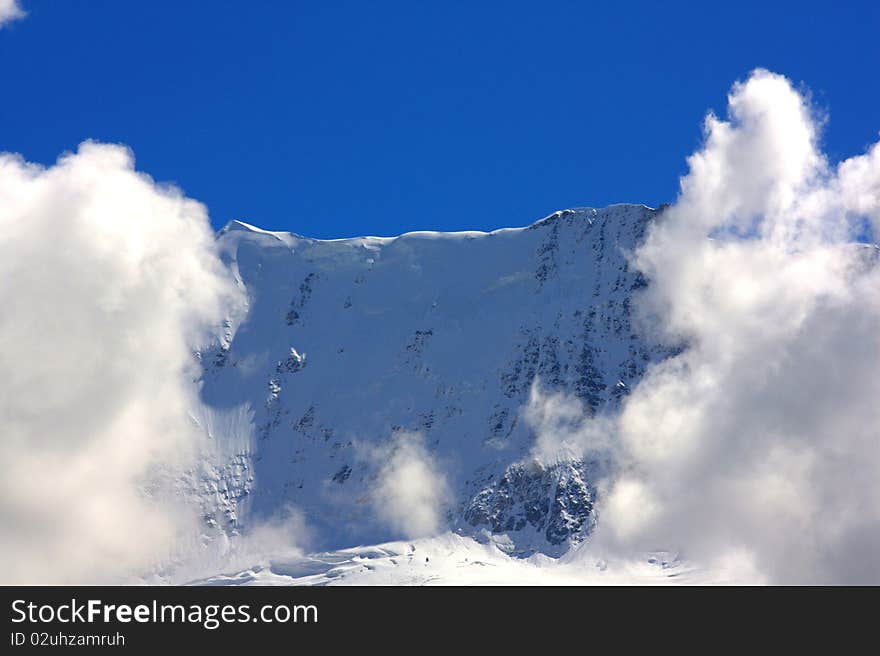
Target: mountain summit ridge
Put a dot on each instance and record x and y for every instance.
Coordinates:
(238, 224)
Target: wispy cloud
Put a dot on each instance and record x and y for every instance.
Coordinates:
(411, 490)
(10, 10)
(564, 430)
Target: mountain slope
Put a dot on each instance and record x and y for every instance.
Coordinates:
(348, 342)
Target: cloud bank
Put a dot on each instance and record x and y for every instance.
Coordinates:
(107, 281)
(10, 10)
(758, 447)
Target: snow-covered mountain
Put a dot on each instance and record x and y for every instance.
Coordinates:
(346, 343)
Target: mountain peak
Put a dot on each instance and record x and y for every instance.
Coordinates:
(235, 224)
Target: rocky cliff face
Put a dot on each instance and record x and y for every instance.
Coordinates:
(346, 342)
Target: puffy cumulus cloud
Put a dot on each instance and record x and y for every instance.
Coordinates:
(10, 10)
(107, 281)
(411, 490)
(759, 445)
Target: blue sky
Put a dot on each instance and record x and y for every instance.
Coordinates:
(334, 119)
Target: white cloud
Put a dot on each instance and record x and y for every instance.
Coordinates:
(563, 429)
(10, 10)
(759, 444)
(107, 282)
(271, 542)
(411, 490)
